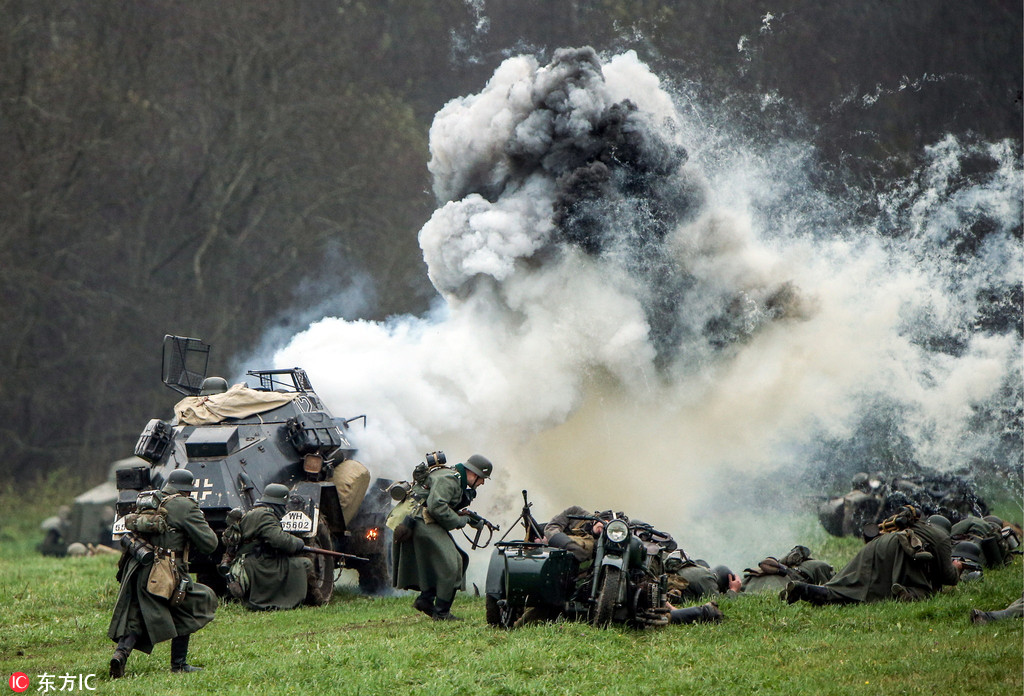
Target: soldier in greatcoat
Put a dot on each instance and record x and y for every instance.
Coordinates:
(274, 576)
(909, 564)
(430, 561)
(141, 619)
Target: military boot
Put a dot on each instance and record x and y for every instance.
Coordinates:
(120, 656)
(442, 611)
(705, 613)
(815, 594)
(425, 602)
(794, 591)
(179, 653)
(984, 617)
(711, 613)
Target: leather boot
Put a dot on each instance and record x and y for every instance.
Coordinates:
(905, 594)
(794, 591)
(425, 602)
(442, 611)
(705, 613)
(984, 617)
(120, 656)
(818, 595)
(179, 653)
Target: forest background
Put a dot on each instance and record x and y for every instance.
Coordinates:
(233, 170)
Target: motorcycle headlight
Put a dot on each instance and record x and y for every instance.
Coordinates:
(617, 531)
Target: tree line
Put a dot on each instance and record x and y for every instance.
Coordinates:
(218, 168)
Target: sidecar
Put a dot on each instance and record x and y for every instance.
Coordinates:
(525, 574)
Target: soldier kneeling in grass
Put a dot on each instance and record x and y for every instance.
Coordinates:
(268, 573)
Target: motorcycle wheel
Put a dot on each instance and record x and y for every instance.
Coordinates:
(499, 616)
(320, 592)
(608, 595)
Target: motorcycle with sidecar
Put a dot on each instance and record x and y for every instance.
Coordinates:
(624, 582)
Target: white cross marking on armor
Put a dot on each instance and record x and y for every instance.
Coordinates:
(207, 483)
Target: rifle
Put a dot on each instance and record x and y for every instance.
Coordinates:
(333, 554)
(481, 522)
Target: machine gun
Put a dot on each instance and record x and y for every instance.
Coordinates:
(534, 532)
(479, 522)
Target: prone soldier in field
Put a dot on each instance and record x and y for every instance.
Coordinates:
(269, 572)
(428, 559)
(909, 560)
(690, 579)
(773, 574)
(996, 538)
(158, 600)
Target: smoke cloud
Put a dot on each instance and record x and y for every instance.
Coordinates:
(645, 313)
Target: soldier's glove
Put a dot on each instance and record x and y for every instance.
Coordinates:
(477, 523)
(464, 520)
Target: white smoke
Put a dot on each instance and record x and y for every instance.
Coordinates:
(647, 334)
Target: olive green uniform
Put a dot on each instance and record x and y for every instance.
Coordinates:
(574, 535)
(700, 581)
(152, 618)
(275, 576)
(986, 535)
(430, 559)
(885, 561)
(773, 574)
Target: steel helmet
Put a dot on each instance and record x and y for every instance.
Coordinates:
(275, 493)
(479, 465)
(181, 480)
(213, 385)
(722, 574)
(940, 521)
(968, 550)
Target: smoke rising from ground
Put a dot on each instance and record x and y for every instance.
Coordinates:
(643, 313)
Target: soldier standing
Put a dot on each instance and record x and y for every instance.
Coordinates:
(430, 561)
(273, 575)
(142, 619)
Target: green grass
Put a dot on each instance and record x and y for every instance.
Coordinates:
(55, 614)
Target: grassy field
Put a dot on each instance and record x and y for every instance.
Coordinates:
(55, 615)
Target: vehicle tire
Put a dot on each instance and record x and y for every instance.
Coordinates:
(608, 595)
(374, 575)
(320, 587)
(492, 611)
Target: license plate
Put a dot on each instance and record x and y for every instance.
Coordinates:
(297, 522)
(118, 529)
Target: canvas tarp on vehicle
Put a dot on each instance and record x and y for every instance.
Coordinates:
(240, 401)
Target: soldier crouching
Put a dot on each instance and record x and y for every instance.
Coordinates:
(141, 618)
(273, 576)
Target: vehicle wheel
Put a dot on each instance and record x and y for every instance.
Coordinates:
(320, 586)
(604, 610)
(374, 575)
(492, 611)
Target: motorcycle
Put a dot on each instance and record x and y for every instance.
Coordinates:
(625, 583)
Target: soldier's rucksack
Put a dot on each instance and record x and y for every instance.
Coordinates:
(150, 515)
(410, 496)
